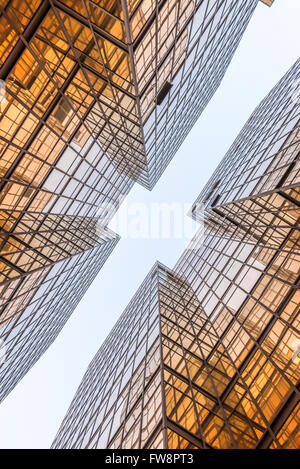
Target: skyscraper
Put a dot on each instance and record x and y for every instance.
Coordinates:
(206, 355)
(134, 76)
(93, 97)
(35, 305)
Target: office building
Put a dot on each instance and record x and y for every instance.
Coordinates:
(206, 355)
(94, 96)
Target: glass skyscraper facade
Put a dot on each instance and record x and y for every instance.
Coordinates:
(206, 355)
(127, 79)
(94, 96)
(35, 307)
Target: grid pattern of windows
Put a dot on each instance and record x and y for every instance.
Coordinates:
(35, 306)
(246, 278)
(128, 389)
(126, 80)
(265, 155)
(99, 94)
(43, 239)
(223, 362)
(68, 101)
(191, 366)
(203, 48)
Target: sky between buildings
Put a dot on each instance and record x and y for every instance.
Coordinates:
(30, 416)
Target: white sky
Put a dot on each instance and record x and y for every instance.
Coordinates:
(31, 414)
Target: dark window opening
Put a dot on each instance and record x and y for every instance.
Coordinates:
(216, 200)
(163, 92)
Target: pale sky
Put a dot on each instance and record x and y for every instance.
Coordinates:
(30, 416)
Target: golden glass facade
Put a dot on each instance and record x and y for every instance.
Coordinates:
(206, 355)
(98, 95)
(122, 73)
(36, 306)
(54, 170)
